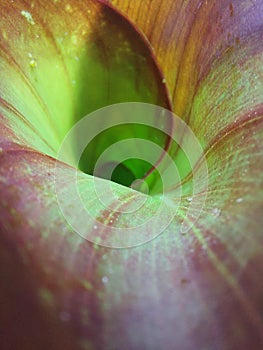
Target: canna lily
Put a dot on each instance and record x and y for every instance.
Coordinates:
(195, 289)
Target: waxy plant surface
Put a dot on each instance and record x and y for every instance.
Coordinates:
(200, 290)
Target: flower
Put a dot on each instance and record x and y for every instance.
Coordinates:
(200, 289)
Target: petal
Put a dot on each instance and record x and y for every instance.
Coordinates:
(194, 290)
(192, 37)
(67, 60)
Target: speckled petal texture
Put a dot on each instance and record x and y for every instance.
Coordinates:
(60, 60)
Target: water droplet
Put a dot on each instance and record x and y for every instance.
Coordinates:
(216, 212)
(69, 8)
(74, 39)
(239, 200)
(164, 81)
(199, 5)
(105, 279)
(33, 63)
(189, 199)
(4, 35)
(28, 17)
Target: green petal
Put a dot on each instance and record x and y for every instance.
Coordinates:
(67, 59)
